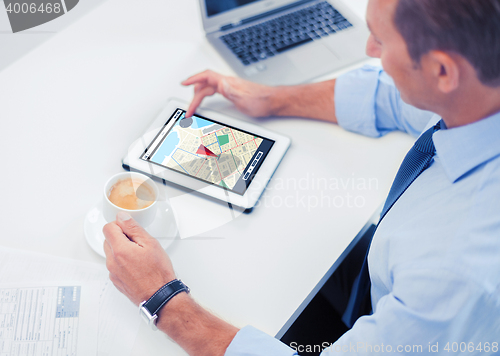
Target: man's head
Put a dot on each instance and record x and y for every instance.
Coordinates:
(470, 28)
(437, 51)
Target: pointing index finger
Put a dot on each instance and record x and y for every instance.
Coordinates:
(198, 98)
(207, 77)
(197, 78)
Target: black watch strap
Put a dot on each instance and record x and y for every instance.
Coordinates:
(161, 297)
(164, 294)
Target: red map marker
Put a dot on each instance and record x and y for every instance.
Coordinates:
(202, 150)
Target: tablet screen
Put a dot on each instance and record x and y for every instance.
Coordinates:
(208, 150)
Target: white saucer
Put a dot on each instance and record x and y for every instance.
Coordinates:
(163, 228)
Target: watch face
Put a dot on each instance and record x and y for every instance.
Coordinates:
(146, 315)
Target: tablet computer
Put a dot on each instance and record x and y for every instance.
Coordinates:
(210, 153)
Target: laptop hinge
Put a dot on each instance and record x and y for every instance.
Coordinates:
(260, 16)
(231, 25)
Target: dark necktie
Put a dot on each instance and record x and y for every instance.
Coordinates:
(416, 161)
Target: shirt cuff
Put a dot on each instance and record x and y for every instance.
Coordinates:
(355, 95)
(252, 342)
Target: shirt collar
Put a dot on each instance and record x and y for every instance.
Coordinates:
(463, 148)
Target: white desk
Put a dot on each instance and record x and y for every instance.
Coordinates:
(70, 108)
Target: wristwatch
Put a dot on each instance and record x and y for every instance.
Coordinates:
(148, 309)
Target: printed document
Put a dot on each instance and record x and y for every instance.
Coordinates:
(55, 306)
(48, 320)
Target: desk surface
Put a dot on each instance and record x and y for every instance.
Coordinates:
(69, 110)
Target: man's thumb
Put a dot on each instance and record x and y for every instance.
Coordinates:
(131, 228)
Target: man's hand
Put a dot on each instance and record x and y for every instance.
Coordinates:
(315, 101)
(138, 266)
(250, 98)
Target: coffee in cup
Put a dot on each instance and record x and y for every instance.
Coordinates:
(133, 193)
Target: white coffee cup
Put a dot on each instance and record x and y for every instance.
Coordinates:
(143, 216)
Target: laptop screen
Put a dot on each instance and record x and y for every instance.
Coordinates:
(215, 7)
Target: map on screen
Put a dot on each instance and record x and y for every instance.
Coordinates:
(209, 151)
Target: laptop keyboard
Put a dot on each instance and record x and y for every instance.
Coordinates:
(267, 39)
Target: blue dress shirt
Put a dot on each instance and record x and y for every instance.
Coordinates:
(435, 259)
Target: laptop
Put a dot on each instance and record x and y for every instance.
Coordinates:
(284, 42)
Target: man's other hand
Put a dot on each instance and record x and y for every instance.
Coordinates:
(250, 98)
(315, 101)
(138, 265)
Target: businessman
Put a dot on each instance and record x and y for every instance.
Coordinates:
(434, 261)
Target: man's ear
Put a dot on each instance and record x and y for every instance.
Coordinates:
(445, 69)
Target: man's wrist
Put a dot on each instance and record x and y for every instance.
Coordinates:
(196, 330)
(173, 313)
(316, 101)
(279, 100)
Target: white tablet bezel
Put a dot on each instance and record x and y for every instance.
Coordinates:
(259, 182)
